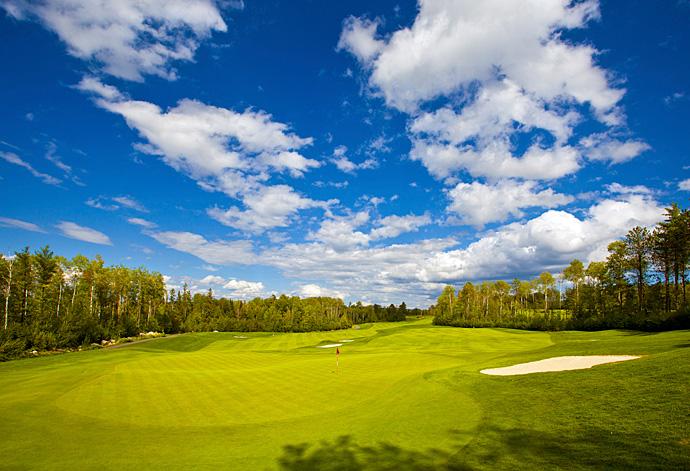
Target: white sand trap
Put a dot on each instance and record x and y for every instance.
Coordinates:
(346, 340)
(239, 336)
(558, 364)
(330, 345)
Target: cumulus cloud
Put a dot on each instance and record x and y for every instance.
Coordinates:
(212, 280)
(14, 159)
(618, 189)
(204, 141)
(244, 289)
(603, 147)
(392, 226)
(311, 290)
(19, 224)
(344, 164)
(496, 161)
(93, 85)
(493, 75)
(493, 113)
(127, 38)
(416, 272)
(454, 43)
(216, 252)
(545, 243)
(684, 185)
(477, 139)
(358, 38)
(223, 150)
(83, 233)
(267, 207)
(478, 204)
(341, 232)
(229, 288)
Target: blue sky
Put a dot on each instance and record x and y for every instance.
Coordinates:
(370, 150)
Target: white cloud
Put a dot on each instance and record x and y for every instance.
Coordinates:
(684, 185)
(204, 141)
(128, 38)
(358, 38)
(344, 164)
(19, 224)
(115, 203)
(14, 159)
(618, 189)
(244, 289)
(268, 207)
(230, 288)
(492, 114)
(315, 291)
(453, 43)
(496, 161)
(216, 252)
(375, 274)
(416, 272)
(602, 147)
(226, 151)
(52, 157)
(545, 243)
(99, 204)
(83, 233)
(505, 74)
(212, 280)
(478, 204)
(141, 222)
(91, 84)
(131, 203)
(293, 162)
(340, 232)
(477, 139)
(393, 226)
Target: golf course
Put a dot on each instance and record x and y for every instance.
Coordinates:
(406, 395)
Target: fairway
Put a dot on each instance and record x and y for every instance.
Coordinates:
(406, 395)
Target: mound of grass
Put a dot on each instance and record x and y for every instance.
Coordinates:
(405, 396)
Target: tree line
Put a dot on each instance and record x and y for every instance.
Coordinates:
(51, 302)
(641, 285)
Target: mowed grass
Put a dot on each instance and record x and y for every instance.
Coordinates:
(406, 396)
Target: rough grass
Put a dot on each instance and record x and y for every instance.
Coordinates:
(406, 396)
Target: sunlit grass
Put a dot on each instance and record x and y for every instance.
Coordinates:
(215, 400)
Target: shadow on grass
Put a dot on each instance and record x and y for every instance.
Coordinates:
(178, 343)
(640, 333)
(343, 454)
(496, 448)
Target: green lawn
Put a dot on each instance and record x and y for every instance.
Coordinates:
(406, 396)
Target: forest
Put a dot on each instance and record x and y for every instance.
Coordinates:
(50, 302)
(641, 285)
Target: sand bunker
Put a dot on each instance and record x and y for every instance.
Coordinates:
(330, 345)
(558, 364)
(346, 340)
(239, 336)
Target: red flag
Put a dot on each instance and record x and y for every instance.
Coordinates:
(337, 351)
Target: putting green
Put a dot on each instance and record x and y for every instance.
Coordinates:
(409, 393)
